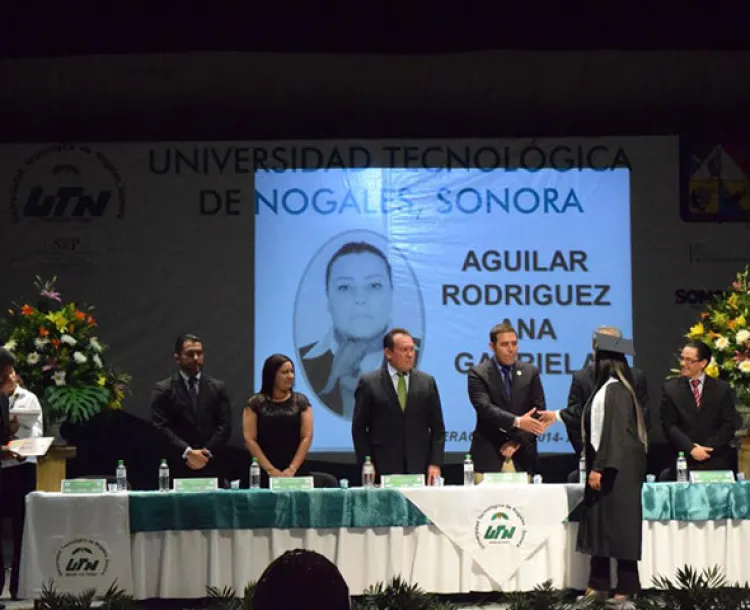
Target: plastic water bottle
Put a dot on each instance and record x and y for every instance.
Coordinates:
(468, 470)
(582, 469)
(682, 469)
(121, 476)
(368, 473)
(254, 474)
(163, 476)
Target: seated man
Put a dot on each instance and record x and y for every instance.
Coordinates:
(301, 579)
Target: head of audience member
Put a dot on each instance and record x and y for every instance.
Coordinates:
(8, 379)
(504, 344)
(398, 346)
(188, 353)
(277, 378)
(301, 579)
(694, 359)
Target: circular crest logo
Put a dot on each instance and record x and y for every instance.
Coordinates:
(82, 557)
(500, 524)
(67, 183)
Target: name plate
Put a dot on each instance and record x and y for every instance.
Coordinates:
(391, 481)
(83, 486)
(207, 484)
(287, 483)
(712, 476)
(498, 478)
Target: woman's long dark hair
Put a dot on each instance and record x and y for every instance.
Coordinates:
(270, 367)
(609, 365)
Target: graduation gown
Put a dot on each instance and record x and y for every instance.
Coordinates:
(611, 521)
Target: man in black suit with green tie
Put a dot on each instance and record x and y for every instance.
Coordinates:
(193, 412)
(398, 418)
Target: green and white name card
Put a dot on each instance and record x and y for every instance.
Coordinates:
(194, 485)
(712, 476)
(392, 481)
(287, 483)
(83, 486)
(498, 478)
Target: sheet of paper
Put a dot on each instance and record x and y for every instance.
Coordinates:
(31, 447)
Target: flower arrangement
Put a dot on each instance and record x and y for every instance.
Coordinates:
(723, 326)
(60, 358)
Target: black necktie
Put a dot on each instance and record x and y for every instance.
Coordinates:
(193, 391)
(506, 380)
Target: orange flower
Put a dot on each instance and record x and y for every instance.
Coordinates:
(80, 315)
(705, 315)
(27, 310)
(43, 332)
(91, 321)
(713, 335)
(71, 329)
(56, 343)
(732, 324)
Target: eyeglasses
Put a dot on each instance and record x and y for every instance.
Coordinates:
(689, 360)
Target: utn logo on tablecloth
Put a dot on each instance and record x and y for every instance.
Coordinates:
(500, 524)
(82, 557)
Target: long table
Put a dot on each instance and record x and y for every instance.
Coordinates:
(447, 540)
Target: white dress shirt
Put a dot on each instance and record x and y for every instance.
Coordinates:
(25, 407)
(394, 378)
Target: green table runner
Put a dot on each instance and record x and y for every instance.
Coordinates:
(331, 508)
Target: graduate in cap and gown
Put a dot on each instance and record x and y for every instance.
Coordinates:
(615, 443)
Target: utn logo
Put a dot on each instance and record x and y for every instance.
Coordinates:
(82, 560)
(499, 532)
(82, 557)
(67, 183)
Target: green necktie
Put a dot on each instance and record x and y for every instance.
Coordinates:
(402, 391)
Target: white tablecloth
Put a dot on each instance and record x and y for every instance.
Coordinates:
(181, 564)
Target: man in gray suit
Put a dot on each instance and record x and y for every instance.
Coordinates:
(398, 418)
(507, 395)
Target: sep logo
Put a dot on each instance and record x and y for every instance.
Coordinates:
(82, 557)
(67, 183)
(500, 524)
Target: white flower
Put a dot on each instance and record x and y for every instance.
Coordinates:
(722, 343)
(40, 343)
(97, 361)
(10, 345)
(68, 339)
(79, 358)
(59, 378)
(95, 345)
(742, 336)
(744, 366)
(32, 358)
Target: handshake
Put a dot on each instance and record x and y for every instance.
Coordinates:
(535, 422)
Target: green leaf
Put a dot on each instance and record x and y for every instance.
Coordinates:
(76, 403)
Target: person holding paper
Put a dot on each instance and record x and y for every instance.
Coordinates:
(194, 413)
(398, 418)
(615, 444)
(19, 474)
(277, 422)
(698, 412)
(507, 396)
(582, 387)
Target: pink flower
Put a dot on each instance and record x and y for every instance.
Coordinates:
(739, 356)
(51, 365)
(52, 295)
(736, 285)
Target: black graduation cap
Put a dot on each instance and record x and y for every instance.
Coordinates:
(610, 343)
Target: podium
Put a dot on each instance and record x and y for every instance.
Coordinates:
(743, 456)
(50, 468)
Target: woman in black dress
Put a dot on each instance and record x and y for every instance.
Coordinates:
(615, 442)
(277, 423)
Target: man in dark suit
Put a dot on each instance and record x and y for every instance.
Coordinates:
(398, 418)
(698, 412)
(581, 389)
(507, 395)
(193, 412)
